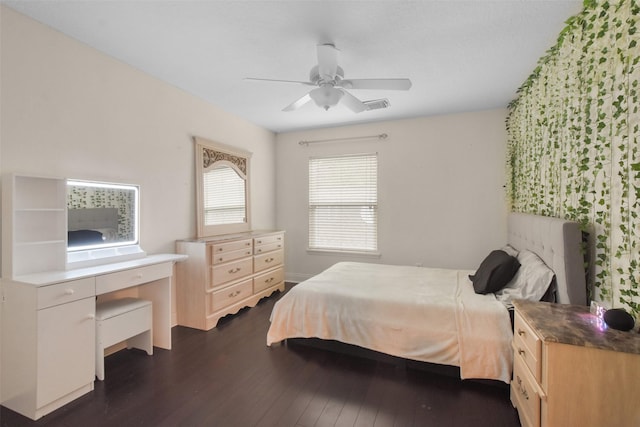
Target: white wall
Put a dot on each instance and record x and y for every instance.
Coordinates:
(441, 196)
(68, 110)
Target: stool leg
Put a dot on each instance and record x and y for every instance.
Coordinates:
(143, 341)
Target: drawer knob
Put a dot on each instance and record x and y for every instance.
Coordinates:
(234, 294)
(220, 259)
(259, 241)
(69, 291)
(219, 249)
(269, 280)
(269, 260)
(234, 270)
(521, 332)
(521, 351)
(248, 244)
(259, 250)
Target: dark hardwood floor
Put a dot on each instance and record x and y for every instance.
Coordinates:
(229, 377)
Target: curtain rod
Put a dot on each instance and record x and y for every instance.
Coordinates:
(352, 138)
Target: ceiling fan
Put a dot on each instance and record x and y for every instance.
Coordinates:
(331, 85)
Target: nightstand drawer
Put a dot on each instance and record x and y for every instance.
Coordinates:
(224, 273)
(524, 395)
(527, 346)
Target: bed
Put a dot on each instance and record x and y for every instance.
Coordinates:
(435, 315)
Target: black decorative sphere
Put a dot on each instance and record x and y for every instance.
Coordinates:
(617, 318)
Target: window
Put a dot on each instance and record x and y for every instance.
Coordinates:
(224, 196)
(343, 203)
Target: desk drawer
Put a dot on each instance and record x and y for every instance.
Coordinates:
(62, 293)
(132, 277)
(268, 260)
(527, 346)
(218, 300)
(267, 280)
(224, 273)
(221, 257)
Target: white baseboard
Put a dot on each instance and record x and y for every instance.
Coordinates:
(296, 277)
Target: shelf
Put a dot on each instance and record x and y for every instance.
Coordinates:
(34, 224)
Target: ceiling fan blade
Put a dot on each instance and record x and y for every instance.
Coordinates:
(280, 81)
(298, 103)
(380, 84)
(352, 103)
(327, 61)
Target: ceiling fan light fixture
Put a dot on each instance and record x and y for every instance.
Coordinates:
(326, 96)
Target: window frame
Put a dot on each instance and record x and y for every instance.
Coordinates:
(315, 248)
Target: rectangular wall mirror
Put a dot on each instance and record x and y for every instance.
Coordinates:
(222, 188)
(101, 215)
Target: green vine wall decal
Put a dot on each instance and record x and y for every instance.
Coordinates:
(574, 142)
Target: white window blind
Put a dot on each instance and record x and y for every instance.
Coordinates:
(343, 203)
(224, 201)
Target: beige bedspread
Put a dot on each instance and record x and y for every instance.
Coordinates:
(423, 314)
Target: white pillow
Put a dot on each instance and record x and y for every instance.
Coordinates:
(510, 250)
(530, 282)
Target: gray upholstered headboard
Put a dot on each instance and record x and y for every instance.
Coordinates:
(558, 243)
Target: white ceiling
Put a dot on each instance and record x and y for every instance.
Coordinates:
(460, 55)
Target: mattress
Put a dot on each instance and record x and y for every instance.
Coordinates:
(424, 314)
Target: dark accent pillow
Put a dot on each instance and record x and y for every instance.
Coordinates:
(84, 237)
(495, 271)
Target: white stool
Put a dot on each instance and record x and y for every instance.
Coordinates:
(122, 319)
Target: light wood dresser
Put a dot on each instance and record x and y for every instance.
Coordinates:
(226, 273)
(570, 369)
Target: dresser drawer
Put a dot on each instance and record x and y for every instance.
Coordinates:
(132, 277)
(268, 243)
(267, 240)
(268, 279)
(268, 248)
(62, 293)
(527, 346)
(218, 300)
(223, 273)
(221, 257)
(524, 395)
(236, 245)
(268, 260)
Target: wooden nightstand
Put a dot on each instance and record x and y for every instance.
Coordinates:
(570, 369)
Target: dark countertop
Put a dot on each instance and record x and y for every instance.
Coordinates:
(575, 325)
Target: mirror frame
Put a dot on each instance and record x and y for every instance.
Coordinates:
(104, 253)
(208, 153)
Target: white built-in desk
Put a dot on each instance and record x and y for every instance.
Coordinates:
(48, 327)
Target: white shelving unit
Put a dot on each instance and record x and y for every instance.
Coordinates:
(34, 226)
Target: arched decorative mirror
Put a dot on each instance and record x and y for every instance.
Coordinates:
(222, 185)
